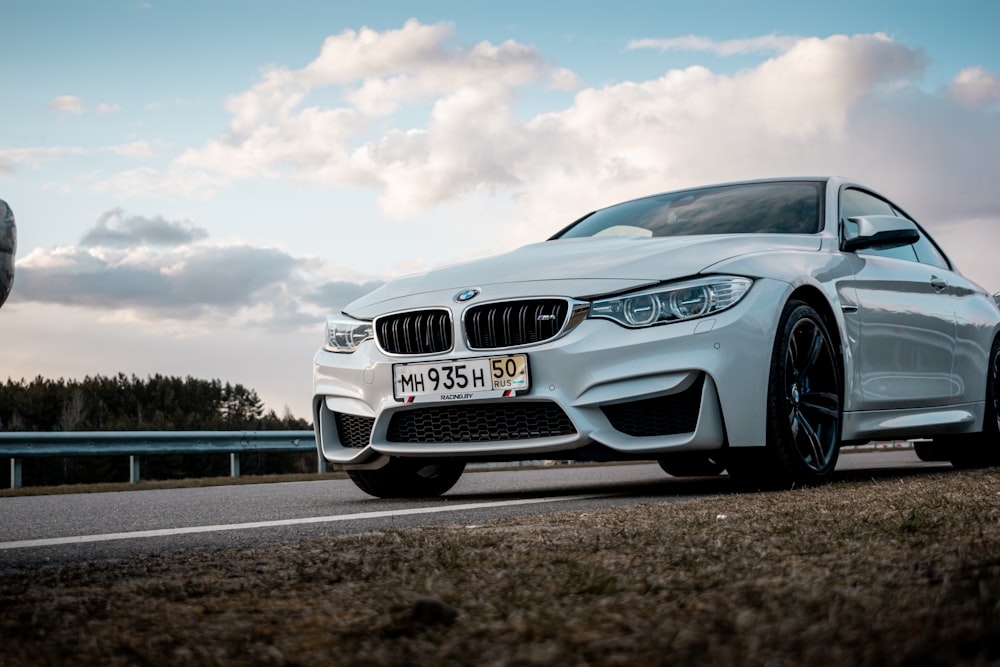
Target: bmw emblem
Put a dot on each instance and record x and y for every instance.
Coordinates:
(466, 295)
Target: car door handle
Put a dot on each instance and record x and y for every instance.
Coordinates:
(938, 284)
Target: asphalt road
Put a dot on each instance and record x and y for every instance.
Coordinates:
(84, 527)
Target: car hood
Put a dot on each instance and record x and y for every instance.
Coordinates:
(579, 268)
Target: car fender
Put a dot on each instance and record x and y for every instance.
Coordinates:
(829, 274)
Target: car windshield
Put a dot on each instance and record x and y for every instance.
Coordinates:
(750, 208)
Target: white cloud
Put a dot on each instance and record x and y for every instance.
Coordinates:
(143, 181)
(343, 59)
(134, 149)
(67, 103)
(426, 124)
(625, 135)
(117, 229)
(500, 69)
(183, 282)
(108, 108)
(13, 158)
(688, 126)
(767, 43)
(153, 272)
(274, 132)
(975, 87)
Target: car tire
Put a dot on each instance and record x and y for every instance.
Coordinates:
(981, 449)
(931, 450)
(692, 464)
(409, 478)
(803, 407)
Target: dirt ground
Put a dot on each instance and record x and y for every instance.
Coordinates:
(890, 572)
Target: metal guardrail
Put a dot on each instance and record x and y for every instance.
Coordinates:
(18, 446)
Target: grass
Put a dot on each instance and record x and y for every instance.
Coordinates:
(900, 571)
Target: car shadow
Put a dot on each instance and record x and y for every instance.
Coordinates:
(672, 487)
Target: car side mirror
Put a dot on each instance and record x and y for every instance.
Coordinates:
(881, 232)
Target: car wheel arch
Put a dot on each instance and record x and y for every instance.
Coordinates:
(813, 297)
(981, 449)
(790, 455)
(787, 418)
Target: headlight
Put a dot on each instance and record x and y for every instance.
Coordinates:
(673, 303)
(344, 334)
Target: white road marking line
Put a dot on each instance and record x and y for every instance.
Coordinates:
(166, 532)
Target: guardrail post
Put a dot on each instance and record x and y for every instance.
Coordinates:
(15, 473)
(133, 469)
(234, 464)
(320, 464)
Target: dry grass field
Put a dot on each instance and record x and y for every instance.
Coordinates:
(891, 572)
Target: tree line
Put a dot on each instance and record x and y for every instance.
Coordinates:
(130, 403)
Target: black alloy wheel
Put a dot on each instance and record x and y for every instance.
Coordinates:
(804, 398)
(803, 407)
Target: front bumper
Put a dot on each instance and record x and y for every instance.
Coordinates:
(639, 393)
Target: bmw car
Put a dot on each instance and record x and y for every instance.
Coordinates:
(753, 328)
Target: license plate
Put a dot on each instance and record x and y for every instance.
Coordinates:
(460, 379)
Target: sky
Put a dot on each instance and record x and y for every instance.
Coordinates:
(198, 184)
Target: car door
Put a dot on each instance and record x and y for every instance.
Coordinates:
(906, 319)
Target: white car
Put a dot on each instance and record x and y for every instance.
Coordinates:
(753, 327)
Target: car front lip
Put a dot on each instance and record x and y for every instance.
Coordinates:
(596, 364)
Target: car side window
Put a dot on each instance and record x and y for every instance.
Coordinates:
(928, 253)
(857, 203)
(854, 203)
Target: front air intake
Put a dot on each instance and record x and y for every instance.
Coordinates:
(665, 415)
(490, 422)
(353, 431)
